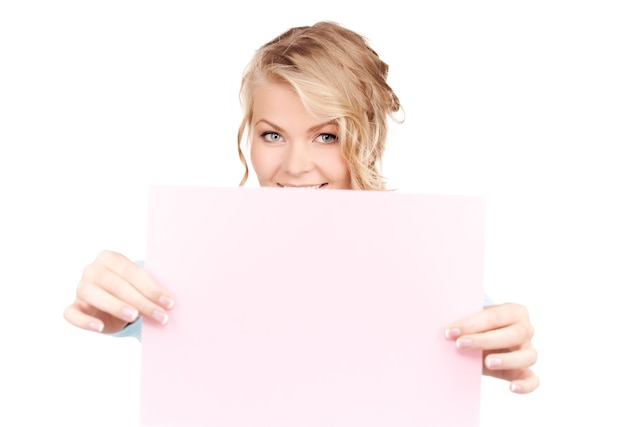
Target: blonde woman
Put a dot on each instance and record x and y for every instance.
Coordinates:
(315, 109)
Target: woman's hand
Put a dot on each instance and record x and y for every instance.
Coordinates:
(503, 332)
(114, 292)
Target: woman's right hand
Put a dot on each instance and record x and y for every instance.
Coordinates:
(113, 292)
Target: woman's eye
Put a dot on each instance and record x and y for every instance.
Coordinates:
(326, 138)
(271, 136)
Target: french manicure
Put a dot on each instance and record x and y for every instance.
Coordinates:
(159, 316)
(166, 302)
(493, 362)
(96, 326)
(463, 343)
(129, 314)
(453, 333)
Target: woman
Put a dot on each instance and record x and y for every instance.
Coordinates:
(315, 102)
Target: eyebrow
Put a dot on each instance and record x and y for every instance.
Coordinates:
(311, 129)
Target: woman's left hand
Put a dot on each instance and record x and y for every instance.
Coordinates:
(503, 332)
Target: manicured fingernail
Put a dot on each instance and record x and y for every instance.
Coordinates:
(493, 362)
(159, 316)
(96, 326)
(463, 343)
(166, 302)
(453, 333)
(129, 314)
(516, 388)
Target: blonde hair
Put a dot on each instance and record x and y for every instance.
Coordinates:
(337, 75)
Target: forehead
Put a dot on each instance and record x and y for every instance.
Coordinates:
(280, 104)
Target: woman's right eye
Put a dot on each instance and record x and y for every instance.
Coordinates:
(271, 136)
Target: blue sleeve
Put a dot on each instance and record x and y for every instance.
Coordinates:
(132, 329)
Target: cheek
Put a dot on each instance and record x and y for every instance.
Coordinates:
(337, 166)
(261, 161)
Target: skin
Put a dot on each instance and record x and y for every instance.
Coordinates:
(291, 147)
(503, 333)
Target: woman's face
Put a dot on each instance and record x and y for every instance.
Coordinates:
(292, 148)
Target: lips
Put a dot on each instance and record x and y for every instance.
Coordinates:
(310, 187)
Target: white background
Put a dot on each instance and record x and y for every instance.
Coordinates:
(521, 102)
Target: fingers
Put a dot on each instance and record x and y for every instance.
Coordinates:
(495, 327)
(504, 333)
(97, 310)
(521, 381)
(519, 359)
(492, 317)
(137, 276)
(99, 298)
(114, 291)
(526, 384)
(114, 294)
(511, 336)
(76, 317)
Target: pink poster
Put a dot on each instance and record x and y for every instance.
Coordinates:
(299, 307)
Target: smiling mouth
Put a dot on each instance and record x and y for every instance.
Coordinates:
(311, 187)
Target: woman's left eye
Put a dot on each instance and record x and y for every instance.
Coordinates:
(326, 138)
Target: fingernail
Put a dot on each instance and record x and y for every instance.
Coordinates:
(96, 326)
(453, 333)
(463, 343)
(166, 302)
(129, 314)
(516, 388)
(159, 316)
(493, 362)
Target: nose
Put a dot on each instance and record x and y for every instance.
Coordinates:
(297, 159)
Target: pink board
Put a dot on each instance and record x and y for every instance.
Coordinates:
(303, 307)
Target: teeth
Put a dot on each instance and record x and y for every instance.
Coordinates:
(313, 187)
